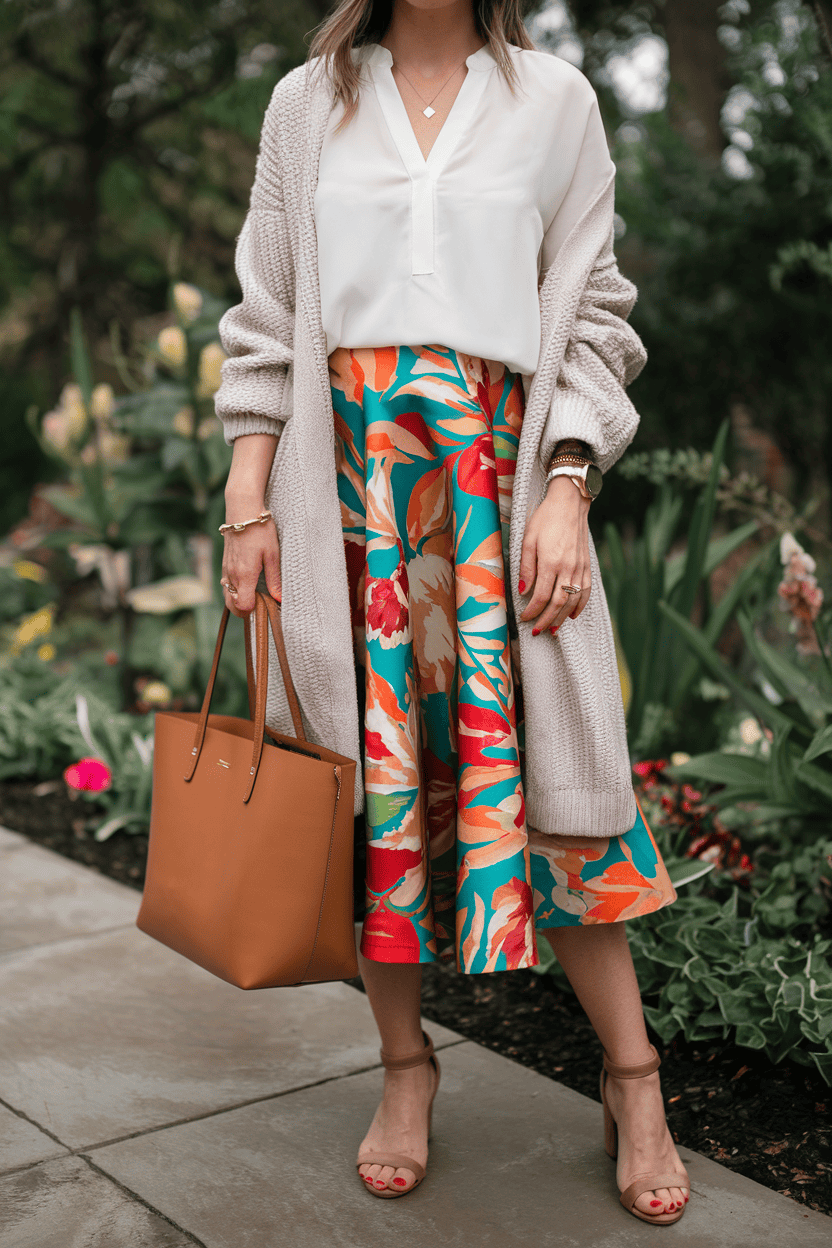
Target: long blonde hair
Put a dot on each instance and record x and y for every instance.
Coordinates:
(357, 22)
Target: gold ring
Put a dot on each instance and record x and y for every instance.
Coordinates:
(572, 589)
(232, 589)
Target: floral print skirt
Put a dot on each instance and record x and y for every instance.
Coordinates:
(426, 443)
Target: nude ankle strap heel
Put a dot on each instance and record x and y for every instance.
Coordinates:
(398, 1160)
(642, 1182)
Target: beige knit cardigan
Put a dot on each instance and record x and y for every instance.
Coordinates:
(275, 380)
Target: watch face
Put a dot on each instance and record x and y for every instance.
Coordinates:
(594, 480)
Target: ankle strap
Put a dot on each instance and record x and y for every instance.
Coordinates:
(413, 1059)
(633, 1072)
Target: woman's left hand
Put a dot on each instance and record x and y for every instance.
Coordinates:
(556, 553)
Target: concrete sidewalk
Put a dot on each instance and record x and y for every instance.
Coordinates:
(145, 1104)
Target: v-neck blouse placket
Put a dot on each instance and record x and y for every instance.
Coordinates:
(448, 248)
(425, 170)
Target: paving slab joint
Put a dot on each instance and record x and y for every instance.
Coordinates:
(139, 1200)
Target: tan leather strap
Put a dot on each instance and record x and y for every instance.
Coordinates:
(252, 698)
(413, 1059)
(650, 1183)
(202, 722)
(398, 1160)
(266, 614)
(261, 638)
(633, 1072)
(273, 609)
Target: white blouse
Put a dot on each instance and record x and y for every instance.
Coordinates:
(448, 250)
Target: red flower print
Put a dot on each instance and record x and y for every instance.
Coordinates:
(477, 469)
(388, 615)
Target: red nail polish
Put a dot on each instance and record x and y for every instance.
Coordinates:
(687, 1198)
(654, 1203)
(522, 587)
(554, 629)
(400, 1182)
(535, 631)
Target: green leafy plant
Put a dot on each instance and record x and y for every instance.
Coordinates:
(640, 576)
(794, 704)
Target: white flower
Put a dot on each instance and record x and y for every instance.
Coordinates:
(174, 593)
(790, 549)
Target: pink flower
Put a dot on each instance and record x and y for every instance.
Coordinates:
(800, 591)
(89, 775)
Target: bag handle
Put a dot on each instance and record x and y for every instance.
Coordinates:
(275, 620)
(266, 613)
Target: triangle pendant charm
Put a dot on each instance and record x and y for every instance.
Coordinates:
(428, 111)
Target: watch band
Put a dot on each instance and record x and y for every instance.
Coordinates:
(578, 474)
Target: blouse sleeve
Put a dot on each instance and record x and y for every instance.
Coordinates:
(604, 353)
(255, 395)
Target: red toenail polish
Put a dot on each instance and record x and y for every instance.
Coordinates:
(400, 1182)
(522, 587)
(654, 1203)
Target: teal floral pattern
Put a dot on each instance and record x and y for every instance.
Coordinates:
(426, 442)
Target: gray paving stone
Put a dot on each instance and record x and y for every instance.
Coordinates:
(111, 1034)
(66, 1204)
(21, 1143)
(11, 840)
(44, 898)
(516, 1159)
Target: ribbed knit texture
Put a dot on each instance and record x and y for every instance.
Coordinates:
(276, 380)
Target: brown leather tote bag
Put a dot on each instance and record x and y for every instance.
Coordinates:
(249, 867)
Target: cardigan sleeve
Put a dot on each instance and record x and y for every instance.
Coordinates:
(257, 334)
(604, 353)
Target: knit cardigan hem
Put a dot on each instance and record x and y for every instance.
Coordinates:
(583, 812)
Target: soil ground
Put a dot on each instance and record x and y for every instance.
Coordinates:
(770, 1123)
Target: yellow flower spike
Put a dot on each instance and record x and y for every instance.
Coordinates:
(679, 757)
(187, 300)
(183, 422)
(115, 447)
(210, 364)
(28, 571)
(173, 346)
(47, 652)
(103, 402)
(38, 624)
(156, 693)
(208, 427)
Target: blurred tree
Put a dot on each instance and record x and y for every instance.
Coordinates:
(699, 75)
(734, 262)
(127, 133)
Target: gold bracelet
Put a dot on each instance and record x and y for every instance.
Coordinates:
(577, 460)
(238, 528)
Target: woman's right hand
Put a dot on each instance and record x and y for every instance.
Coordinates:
(254, 549)
(246, 554)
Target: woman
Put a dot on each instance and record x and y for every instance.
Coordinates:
(429, 357)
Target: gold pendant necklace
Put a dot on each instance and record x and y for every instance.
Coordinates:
(428, 111)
